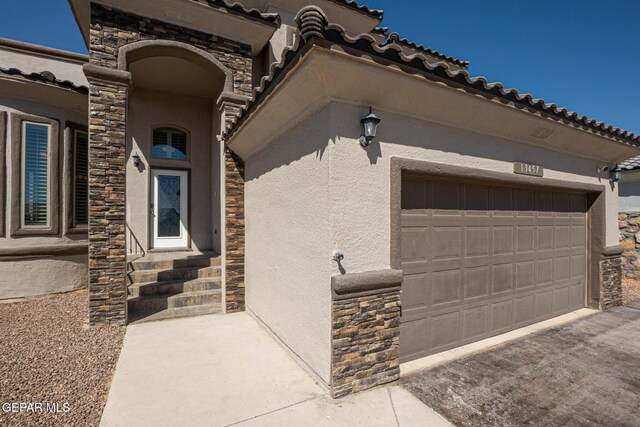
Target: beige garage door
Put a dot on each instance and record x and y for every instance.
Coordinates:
(480, 260)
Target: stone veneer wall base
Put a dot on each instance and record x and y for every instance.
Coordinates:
(365, 334)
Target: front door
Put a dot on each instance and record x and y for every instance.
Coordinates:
(169, 208)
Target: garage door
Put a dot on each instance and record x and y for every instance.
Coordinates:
(481, 260)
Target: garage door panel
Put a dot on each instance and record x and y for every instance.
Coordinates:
(444, 330)
(561, 268)
(413, 246)
(476, 282)
(446, 287)
(446, 243)
(413, 341)
(543, 304)
(502, 239)
(501, 316)
(544, 271)
(414, 291)
(562, 237)
(475, 323)
(524, 310)
(482, 260)
(561, 300)
(501, 278)
(525, 274)
(477, 241)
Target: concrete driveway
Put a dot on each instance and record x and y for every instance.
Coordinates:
(228, 370)
(586, 372)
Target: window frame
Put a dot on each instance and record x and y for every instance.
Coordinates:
(71, 129)
(171, 127)
(17, 160)
(74, 176)
(23, 176)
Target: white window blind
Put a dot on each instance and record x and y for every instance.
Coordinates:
(35, 175)
(169, 143)
(81, 182)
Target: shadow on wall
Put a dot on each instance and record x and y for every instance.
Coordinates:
(339, 123)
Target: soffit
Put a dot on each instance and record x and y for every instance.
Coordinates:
(329, 75)
(231, 21)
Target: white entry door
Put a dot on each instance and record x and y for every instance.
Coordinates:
(170, 208)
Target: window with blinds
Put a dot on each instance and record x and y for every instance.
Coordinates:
(81, 179)
(169, 143)
(35, 175)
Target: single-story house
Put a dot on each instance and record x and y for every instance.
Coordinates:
(364, 197)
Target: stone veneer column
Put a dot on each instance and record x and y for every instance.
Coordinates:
(107, 199)
(629, 224)
(234, 289)
(611, 278)
(365, 331)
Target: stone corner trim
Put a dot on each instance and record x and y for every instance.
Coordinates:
(629, 225)
(611, 278)
(365, 331)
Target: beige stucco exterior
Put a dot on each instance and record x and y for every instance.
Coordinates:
(320, 193)
(53, 260)
(288, 243)
(629, 191)
(149, 110)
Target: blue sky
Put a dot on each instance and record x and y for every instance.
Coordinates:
(581, 54)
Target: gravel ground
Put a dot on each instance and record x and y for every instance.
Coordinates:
(630, 290)
(49, 354)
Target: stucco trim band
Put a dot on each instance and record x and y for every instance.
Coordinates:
(16, 176)
(49, 250)
(611, 251)
(110, 75)
(357, 284)
(149, 48)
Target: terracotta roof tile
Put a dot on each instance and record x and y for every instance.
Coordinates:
(45, 77)
(367, 44)
(631, 164)
(272, 18)
(395, 38)
(376, 13)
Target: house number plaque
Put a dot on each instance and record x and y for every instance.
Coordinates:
(528, 169)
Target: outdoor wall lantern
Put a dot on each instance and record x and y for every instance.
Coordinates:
(616, 174)
(136, 160)
(370, 122)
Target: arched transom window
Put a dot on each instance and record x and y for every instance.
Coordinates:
(169, 143)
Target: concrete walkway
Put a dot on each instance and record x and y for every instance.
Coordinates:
(227, 370)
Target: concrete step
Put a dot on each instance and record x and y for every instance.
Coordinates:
(173, 275)
(176, 313)
(195, 261)
(173, 288)
(153, 304)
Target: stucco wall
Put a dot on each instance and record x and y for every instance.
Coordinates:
(148, 110)
(34, 63)
(310, 193)
(23, 274)
(361, 221)
(288, 248)
(629, 192)
(42, 275)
